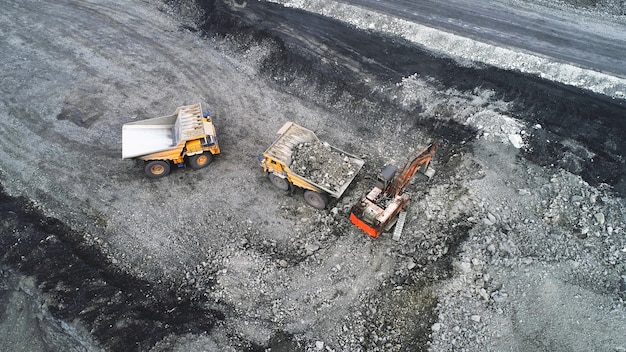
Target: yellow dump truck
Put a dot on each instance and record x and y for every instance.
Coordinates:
(185, 137)
(297, 158)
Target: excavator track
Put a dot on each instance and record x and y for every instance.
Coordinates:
(397, 231)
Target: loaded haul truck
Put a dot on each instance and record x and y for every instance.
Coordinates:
(297, 158)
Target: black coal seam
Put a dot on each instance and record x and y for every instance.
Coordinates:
(564, 112)
(123, 313)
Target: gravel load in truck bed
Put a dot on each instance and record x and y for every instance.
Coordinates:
(322, 164)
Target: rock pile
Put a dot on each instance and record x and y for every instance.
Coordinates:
(322, 164)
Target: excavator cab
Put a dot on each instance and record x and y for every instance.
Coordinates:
(385, 176)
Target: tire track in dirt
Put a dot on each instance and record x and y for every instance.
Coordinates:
(122, 311)
(213, 214)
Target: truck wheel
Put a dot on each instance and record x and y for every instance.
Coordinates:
(316, 200)
(279, 182)
(199, 161)
(157, 168)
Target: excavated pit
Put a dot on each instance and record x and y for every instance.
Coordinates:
(125, 312)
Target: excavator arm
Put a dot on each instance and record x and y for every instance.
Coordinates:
(420, 161)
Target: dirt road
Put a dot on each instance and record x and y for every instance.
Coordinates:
(509, 24)
(217, 259)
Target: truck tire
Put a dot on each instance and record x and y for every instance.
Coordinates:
(157, 168)
(315, 199)
(279, 182)
(199, 161)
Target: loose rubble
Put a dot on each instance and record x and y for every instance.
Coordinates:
(322, 164)
(498, 253)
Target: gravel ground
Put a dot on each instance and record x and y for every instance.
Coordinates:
(498, 253)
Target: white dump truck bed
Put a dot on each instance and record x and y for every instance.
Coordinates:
(162, 133)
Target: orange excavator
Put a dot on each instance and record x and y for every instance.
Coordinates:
(378, 210)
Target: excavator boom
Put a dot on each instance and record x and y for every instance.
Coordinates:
(420, 161)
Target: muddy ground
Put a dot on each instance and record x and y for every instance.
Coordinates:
(517, 243)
